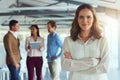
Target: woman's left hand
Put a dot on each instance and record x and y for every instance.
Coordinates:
(40, 48)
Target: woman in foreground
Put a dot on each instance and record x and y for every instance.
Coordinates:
(85, 51)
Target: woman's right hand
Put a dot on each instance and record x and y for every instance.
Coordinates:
(29, 47)
(67, 55)
(98, 59)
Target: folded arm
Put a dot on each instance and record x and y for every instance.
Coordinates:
(78, 65)
(103, 65)
(70, 64)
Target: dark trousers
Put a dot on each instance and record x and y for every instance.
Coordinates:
(34, 62)
(14, 73)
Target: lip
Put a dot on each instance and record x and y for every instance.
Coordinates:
(84, 24)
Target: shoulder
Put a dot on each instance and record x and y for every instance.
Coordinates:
(28, 38)
(48, 35)
(41, 38)
(56, 34)
(103, 38)
(68, 41)
(68, 38)
(7, 35)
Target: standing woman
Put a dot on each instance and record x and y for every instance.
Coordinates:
(85, 52)
(34, 55)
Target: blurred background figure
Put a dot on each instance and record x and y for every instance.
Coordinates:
(34, 53)
(54, 45)
(11, 45)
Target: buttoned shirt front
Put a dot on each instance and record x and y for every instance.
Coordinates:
(84, 64)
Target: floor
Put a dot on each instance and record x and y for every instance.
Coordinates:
(112, 75)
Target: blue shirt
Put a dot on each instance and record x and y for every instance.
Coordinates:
(54, 45)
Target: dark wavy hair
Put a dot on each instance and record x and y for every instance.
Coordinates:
(12, 23)
(75, 29)
(36, 28)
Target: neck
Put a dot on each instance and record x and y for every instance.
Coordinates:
(85, 35)
(12, 30)
(34, 35)
(51, 33)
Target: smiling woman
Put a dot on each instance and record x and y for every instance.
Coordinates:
(38, 12)
(84, 61)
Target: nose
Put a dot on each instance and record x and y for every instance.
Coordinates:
(84, 20)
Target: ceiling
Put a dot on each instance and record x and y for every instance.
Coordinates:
(29, 12)
(40, 11)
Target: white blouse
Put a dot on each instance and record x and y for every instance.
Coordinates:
(34, 52)
(84, 65)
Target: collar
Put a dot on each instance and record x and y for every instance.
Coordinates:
(14, 33)
(92, 38)
(53, 34)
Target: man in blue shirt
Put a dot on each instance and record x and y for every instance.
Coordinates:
(54, 45)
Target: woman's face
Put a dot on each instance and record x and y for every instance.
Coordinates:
(33, 30)
(85, 19)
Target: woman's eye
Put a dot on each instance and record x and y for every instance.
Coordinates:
(88, 17)
(81, 17)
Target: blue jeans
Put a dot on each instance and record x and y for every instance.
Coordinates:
(14, 73)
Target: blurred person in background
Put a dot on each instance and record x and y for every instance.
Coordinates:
(34, 53)
(11, 45)
(54, 45)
